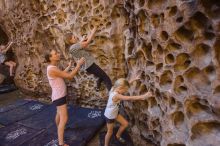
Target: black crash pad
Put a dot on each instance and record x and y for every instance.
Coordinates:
(48, 139)
(41, 120)
(44, 119)
(85, 122)
(85, 118)
(7, 88)
(21, 112)
(114, 141)
(13, 105)
(15, 135)
(82, 125)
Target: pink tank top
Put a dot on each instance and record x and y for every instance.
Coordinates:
(57, 84)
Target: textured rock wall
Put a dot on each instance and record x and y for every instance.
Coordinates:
(37, 26)
(173, 44)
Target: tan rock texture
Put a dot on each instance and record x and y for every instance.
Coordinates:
(173, 44)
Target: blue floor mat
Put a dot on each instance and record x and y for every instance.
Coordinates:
(48, 139)
(13, 105)
(114, 141)
(21, 112)
(79, 134)
(82, 125)
(41, 120)
(15, 135)
(85, 122)
(86, 117)
(7, 88)
(44, 119)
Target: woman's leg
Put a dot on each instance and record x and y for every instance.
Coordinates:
(109, 133)
(63, 115)
(98, 72)
(124, 125)
(57, 119)
(14, 63)
(8, 63)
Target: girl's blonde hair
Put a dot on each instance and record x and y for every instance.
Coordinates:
(121, 82)
(68, 37)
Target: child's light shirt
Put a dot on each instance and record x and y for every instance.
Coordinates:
(112, 108)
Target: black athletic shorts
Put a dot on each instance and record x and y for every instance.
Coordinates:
(60, 101)
(109, 120)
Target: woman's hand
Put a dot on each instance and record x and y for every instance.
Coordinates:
(9, 43)
(81, 61)
(70, 63)
(84, 38)
(95, 28)
(68, 67)
(8, 46)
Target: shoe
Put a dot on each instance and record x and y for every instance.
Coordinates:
(121, 140)
(97, 89)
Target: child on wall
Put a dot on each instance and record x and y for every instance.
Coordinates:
(78, 49)
(112, 114)
(6, 60)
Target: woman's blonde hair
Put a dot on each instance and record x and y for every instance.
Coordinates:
(121, 82)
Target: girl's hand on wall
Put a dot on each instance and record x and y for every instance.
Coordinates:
(70, 64)
(147, 95)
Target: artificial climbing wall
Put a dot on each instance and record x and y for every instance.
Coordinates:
(173, 44)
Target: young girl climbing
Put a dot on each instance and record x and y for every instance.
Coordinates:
(112, 114)
(78, 49)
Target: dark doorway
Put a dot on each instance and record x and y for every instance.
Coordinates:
(3, 37)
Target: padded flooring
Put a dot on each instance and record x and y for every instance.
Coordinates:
(31, 123)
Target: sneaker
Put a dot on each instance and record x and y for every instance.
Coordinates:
(121, 140)
(97, 89)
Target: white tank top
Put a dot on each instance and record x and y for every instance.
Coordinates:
(112, 108)
(57, 84)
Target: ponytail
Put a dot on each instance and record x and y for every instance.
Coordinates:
(120, 82)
